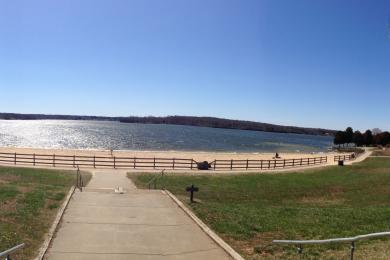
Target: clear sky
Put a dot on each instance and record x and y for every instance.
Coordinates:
(319, 63)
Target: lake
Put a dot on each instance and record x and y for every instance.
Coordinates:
(122, 136)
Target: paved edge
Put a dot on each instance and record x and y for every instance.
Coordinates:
(228, 249)
(53, 228)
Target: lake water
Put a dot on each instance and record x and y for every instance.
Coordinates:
(122, 136)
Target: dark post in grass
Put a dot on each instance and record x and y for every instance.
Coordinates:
(192, 189)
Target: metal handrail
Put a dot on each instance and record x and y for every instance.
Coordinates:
(79, 180)
(351, 240)
(154, 179)
(7, 252)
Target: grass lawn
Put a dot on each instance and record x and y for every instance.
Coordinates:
(29, 200)
(385, 152)
(249, 211)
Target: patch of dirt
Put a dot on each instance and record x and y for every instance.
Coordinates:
(322, 200)
(7, 178)
(258, 246)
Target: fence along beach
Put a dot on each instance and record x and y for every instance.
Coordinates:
(162, 159)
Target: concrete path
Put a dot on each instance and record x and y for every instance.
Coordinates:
(140, 224)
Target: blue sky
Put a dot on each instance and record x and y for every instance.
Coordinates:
(319, 63)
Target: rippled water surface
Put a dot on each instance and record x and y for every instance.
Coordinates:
(121, 136)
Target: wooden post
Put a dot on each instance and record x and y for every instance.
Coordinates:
(15, 159)
(34, 159)
(173, 163)
(94, 161)
(54, 160)
(192, 161)
(231, 164)
(284, 163)
(215, 164)
(114, 163)
(74, 161)
(261, 164)
(134, 162)
(154, 162)
(247, 164)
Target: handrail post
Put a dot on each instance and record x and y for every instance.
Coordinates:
(34, 159)
(231, 164)
(114, 163)
(154, 162)
(247, 162)
(94, 161)
(74, 161)
(134, 162)
(15, 159)
(173, 163)
(192, 161)
(352, 249)
(54, 160)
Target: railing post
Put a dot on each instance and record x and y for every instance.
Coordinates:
(284, 163)
(54, 160)
(114, 163)
(192, 161)
(231, 164)
(154, 162)
(15, 159)
(261, 164)
(94, 161)
(247, 162)
(134, 162)
(352, 249)
(74, 161)
(34, 159)
(173, 163)
(215, 164)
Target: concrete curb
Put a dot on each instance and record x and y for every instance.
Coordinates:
(53, 228)
(228, 249)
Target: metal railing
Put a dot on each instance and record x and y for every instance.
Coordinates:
(351, 240)
(153, 181)
(79, 180)
(7, 253)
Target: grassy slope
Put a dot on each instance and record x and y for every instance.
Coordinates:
(381, 152)
(29, 200)
(250, 211)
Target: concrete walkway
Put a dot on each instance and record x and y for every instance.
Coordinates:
(140, 224)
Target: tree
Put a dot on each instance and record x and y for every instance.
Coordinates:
(376, 131)
(349, 135)
(339, 138)
(368, 139)
(382, 139)
(358, 138)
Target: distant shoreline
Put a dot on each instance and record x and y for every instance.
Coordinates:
(211, 122)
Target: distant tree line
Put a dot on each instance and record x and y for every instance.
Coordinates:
(227, 123)
(368, 138)
(181, 120)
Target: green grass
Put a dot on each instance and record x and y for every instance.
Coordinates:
(249, 211)
(381, 152)
(29, 199)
